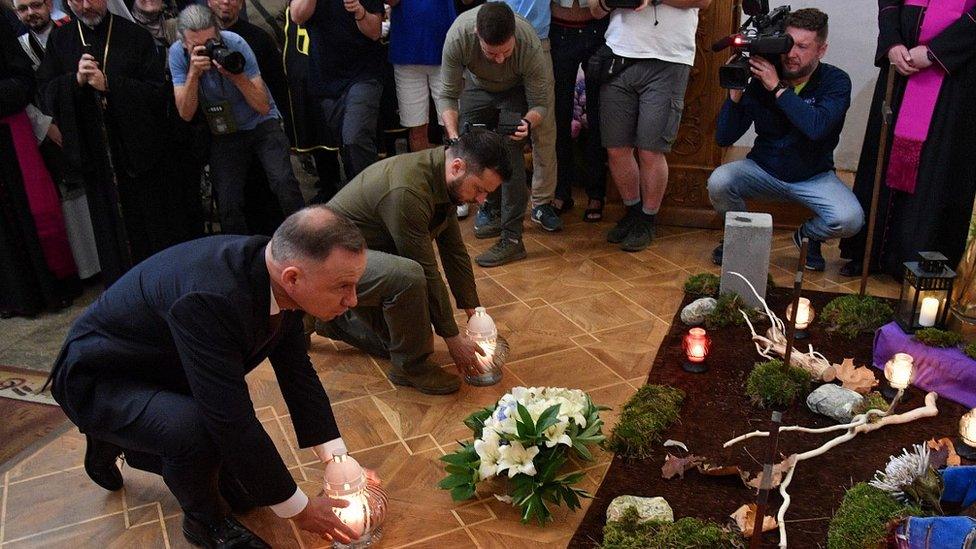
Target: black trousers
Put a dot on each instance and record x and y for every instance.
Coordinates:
(571, 47)
(169, 439)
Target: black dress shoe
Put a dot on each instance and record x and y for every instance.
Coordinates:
(225, 534)
(852, 268)
(100, 457)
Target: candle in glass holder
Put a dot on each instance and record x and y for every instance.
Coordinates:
(967, 428)
(696, 345)
(898, 371)
(803, 313)
(929, 311)
(345, 479)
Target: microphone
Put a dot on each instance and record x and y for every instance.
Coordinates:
(724, 42)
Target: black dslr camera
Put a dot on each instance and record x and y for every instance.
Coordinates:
(764, 33)
(233, 61)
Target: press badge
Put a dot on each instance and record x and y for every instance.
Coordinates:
(220, 118)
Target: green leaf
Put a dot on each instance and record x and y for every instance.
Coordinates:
(454, 481)
(462, 493)
(571, 478)
(582, 451)
(548, 418)
(527, 422)
(457, 469)
(458, 458)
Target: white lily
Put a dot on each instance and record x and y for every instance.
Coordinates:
(488, 450)
(517, 459)
(557, 435)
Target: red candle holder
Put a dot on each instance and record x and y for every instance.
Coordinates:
(696, 344)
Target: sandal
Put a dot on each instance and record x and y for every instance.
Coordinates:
(567, 205)
(594, 215)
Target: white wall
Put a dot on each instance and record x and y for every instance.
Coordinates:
(852, 41)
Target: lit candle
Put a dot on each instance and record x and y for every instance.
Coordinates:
(899, 369)
(967, 428)
(929, 311)
(353, 516)
(696, 345)
(803, 313)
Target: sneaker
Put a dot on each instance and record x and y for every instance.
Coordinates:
(640, 236)
(463, 210)
(100, 463)
(546, 216)
(815, 259)
(487, 223)
(717, 254)
(432, 380)
(506, 250)
(620, 231)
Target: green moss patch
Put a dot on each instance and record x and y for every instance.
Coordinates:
(727, 313)
(702, 284)
(872, 401)
(851, 315)
(970, 350)
(934, 337)
(861, 520)
(644, 417)
(685, 533)
(770, 384)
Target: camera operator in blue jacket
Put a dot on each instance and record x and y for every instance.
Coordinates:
(798, 111)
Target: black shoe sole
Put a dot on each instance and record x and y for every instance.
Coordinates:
(194, 540)
(517, 257)
(404, 381)
(483, 235)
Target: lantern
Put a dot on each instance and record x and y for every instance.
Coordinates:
(345, 479)
(804, 317)
(966, 447)
(925, 291)
(696, 345)
(481, 330)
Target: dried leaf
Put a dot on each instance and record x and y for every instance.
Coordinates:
(720, 470)
(858, 378)
(779, 470)
(677, 443)
(942, 453)
(676, 467)
(745, 518)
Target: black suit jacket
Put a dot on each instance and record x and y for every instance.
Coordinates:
(195, 319)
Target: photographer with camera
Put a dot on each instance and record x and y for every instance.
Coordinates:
(494, 70)
(217, 72)
(799, 111)
(645, 67)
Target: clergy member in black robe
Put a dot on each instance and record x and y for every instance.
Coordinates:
(129, 216)
(936, 216)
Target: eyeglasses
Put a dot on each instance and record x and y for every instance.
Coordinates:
(33, 6)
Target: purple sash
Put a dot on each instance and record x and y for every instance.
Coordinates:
(921, 94)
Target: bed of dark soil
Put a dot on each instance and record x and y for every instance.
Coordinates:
(716, 409)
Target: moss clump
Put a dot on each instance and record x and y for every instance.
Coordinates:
(727, 313)
(769, 384)
(703, 284)
(851, 315)
(934, 337)
(644, 418)
(862, 518)
(685, 533)
(970, 350)
(871, 401)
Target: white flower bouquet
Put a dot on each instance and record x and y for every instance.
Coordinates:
(528, 436)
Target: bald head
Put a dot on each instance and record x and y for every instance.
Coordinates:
(312, 233)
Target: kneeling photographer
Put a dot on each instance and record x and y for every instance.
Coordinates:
(799, 111)
(217, 72)
(645, 67)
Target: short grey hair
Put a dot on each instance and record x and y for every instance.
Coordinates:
(195, 17)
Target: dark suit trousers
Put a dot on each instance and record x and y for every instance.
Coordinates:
(169, 439)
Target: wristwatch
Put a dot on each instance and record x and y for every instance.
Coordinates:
(779, 86)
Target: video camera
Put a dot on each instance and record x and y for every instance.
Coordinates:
(764, 33)
(507, 123)
(232, 61)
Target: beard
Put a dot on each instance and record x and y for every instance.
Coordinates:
(801, 72)
(37, 23)
(452, 192)
(89, 17)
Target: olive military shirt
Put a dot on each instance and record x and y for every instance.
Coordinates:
(401, 205)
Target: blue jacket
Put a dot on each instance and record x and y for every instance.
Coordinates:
(795, 133)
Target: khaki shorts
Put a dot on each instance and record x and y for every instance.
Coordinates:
(642, 106)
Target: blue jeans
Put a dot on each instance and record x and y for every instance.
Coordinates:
(837, 213)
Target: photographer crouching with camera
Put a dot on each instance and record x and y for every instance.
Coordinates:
(217, 72)
(799, 111)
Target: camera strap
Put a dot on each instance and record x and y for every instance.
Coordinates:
(108, 40)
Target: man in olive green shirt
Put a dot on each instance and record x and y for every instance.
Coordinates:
(500, 56)
(403, 205)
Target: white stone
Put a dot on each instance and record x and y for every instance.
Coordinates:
(695, 312)
(748, 238)
(648, 508)
(834, 401)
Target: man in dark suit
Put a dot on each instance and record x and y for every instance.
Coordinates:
(155, 369)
